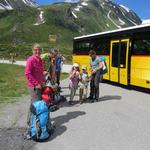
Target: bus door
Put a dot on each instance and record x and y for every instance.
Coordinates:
(119, 61)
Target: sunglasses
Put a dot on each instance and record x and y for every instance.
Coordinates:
(38, 49)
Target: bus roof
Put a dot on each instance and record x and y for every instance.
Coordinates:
(114, 31)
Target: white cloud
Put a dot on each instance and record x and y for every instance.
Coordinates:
(71, 1)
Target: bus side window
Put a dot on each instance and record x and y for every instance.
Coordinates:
(141, 45)
(100, 46)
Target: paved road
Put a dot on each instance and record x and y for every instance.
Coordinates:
(119, 121)
(66, 68)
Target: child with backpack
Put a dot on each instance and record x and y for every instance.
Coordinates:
(84, 80)
(74, 77)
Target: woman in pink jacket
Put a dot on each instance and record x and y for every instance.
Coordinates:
(34, 72)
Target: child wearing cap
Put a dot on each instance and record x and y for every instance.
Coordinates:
(84, 80)
(74, 77)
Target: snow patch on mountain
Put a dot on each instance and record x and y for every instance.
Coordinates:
(81, 5)
(84, 4)
(11, 4)
(40, 18)
(75, 16)
(109, 17)
(121, 22)
(126, 8)
(123, 11)
(78, 8)
(132, 21)
(107, 25)
(28, 2)
(71, 1)
(102, 5)
(6, 5)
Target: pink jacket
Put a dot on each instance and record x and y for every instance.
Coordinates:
(73, 82)
(34, 71)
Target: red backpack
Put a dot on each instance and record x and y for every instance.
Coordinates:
(47, 95)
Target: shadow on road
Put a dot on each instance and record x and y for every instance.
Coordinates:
(105, 98)
(110, 97)
(60, 120)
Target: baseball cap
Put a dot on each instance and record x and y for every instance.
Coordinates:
(84, 67)
(75, 65)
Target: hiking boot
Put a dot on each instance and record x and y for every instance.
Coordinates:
(27, 134)
(70, 102)
(52, 129)
(81, 102)
(90, 97)
(96, 99)
(28, 137)
(92, 100)
(53, 108)
(59, 89)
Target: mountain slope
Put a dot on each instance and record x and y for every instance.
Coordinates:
(11, 4)
(104, 14)
(26, 25)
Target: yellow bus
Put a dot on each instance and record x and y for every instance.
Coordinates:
(127, 53)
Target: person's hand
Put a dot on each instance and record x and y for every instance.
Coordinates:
(38, 86)
(93, 71)
(45, 73)
(74, 73)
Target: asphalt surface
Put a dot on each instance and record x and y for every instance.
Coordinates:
(120, 120)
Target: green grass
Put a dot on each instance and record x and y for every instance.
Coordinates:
(64, 76)
(12, 83)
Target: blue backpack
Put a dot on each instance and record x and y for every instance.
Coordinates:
(40, 121)
(103, 59)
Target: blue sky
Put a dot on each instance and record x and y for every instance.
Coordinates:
(141, 7)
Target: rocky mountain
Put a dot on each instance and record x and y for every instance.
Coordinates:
(105, 14)
(65, 20)
(11, 4)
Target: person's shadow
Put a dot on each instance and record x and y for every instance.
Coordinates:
(110, 97)
(60, 120)
(106, 98)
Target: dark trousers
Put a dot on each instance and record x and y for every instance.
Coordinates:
(35, 96)
(94, 85)
(58, 77)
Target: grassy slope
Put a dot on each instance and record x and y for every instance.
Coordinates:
(31, 34)
(13, 82)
